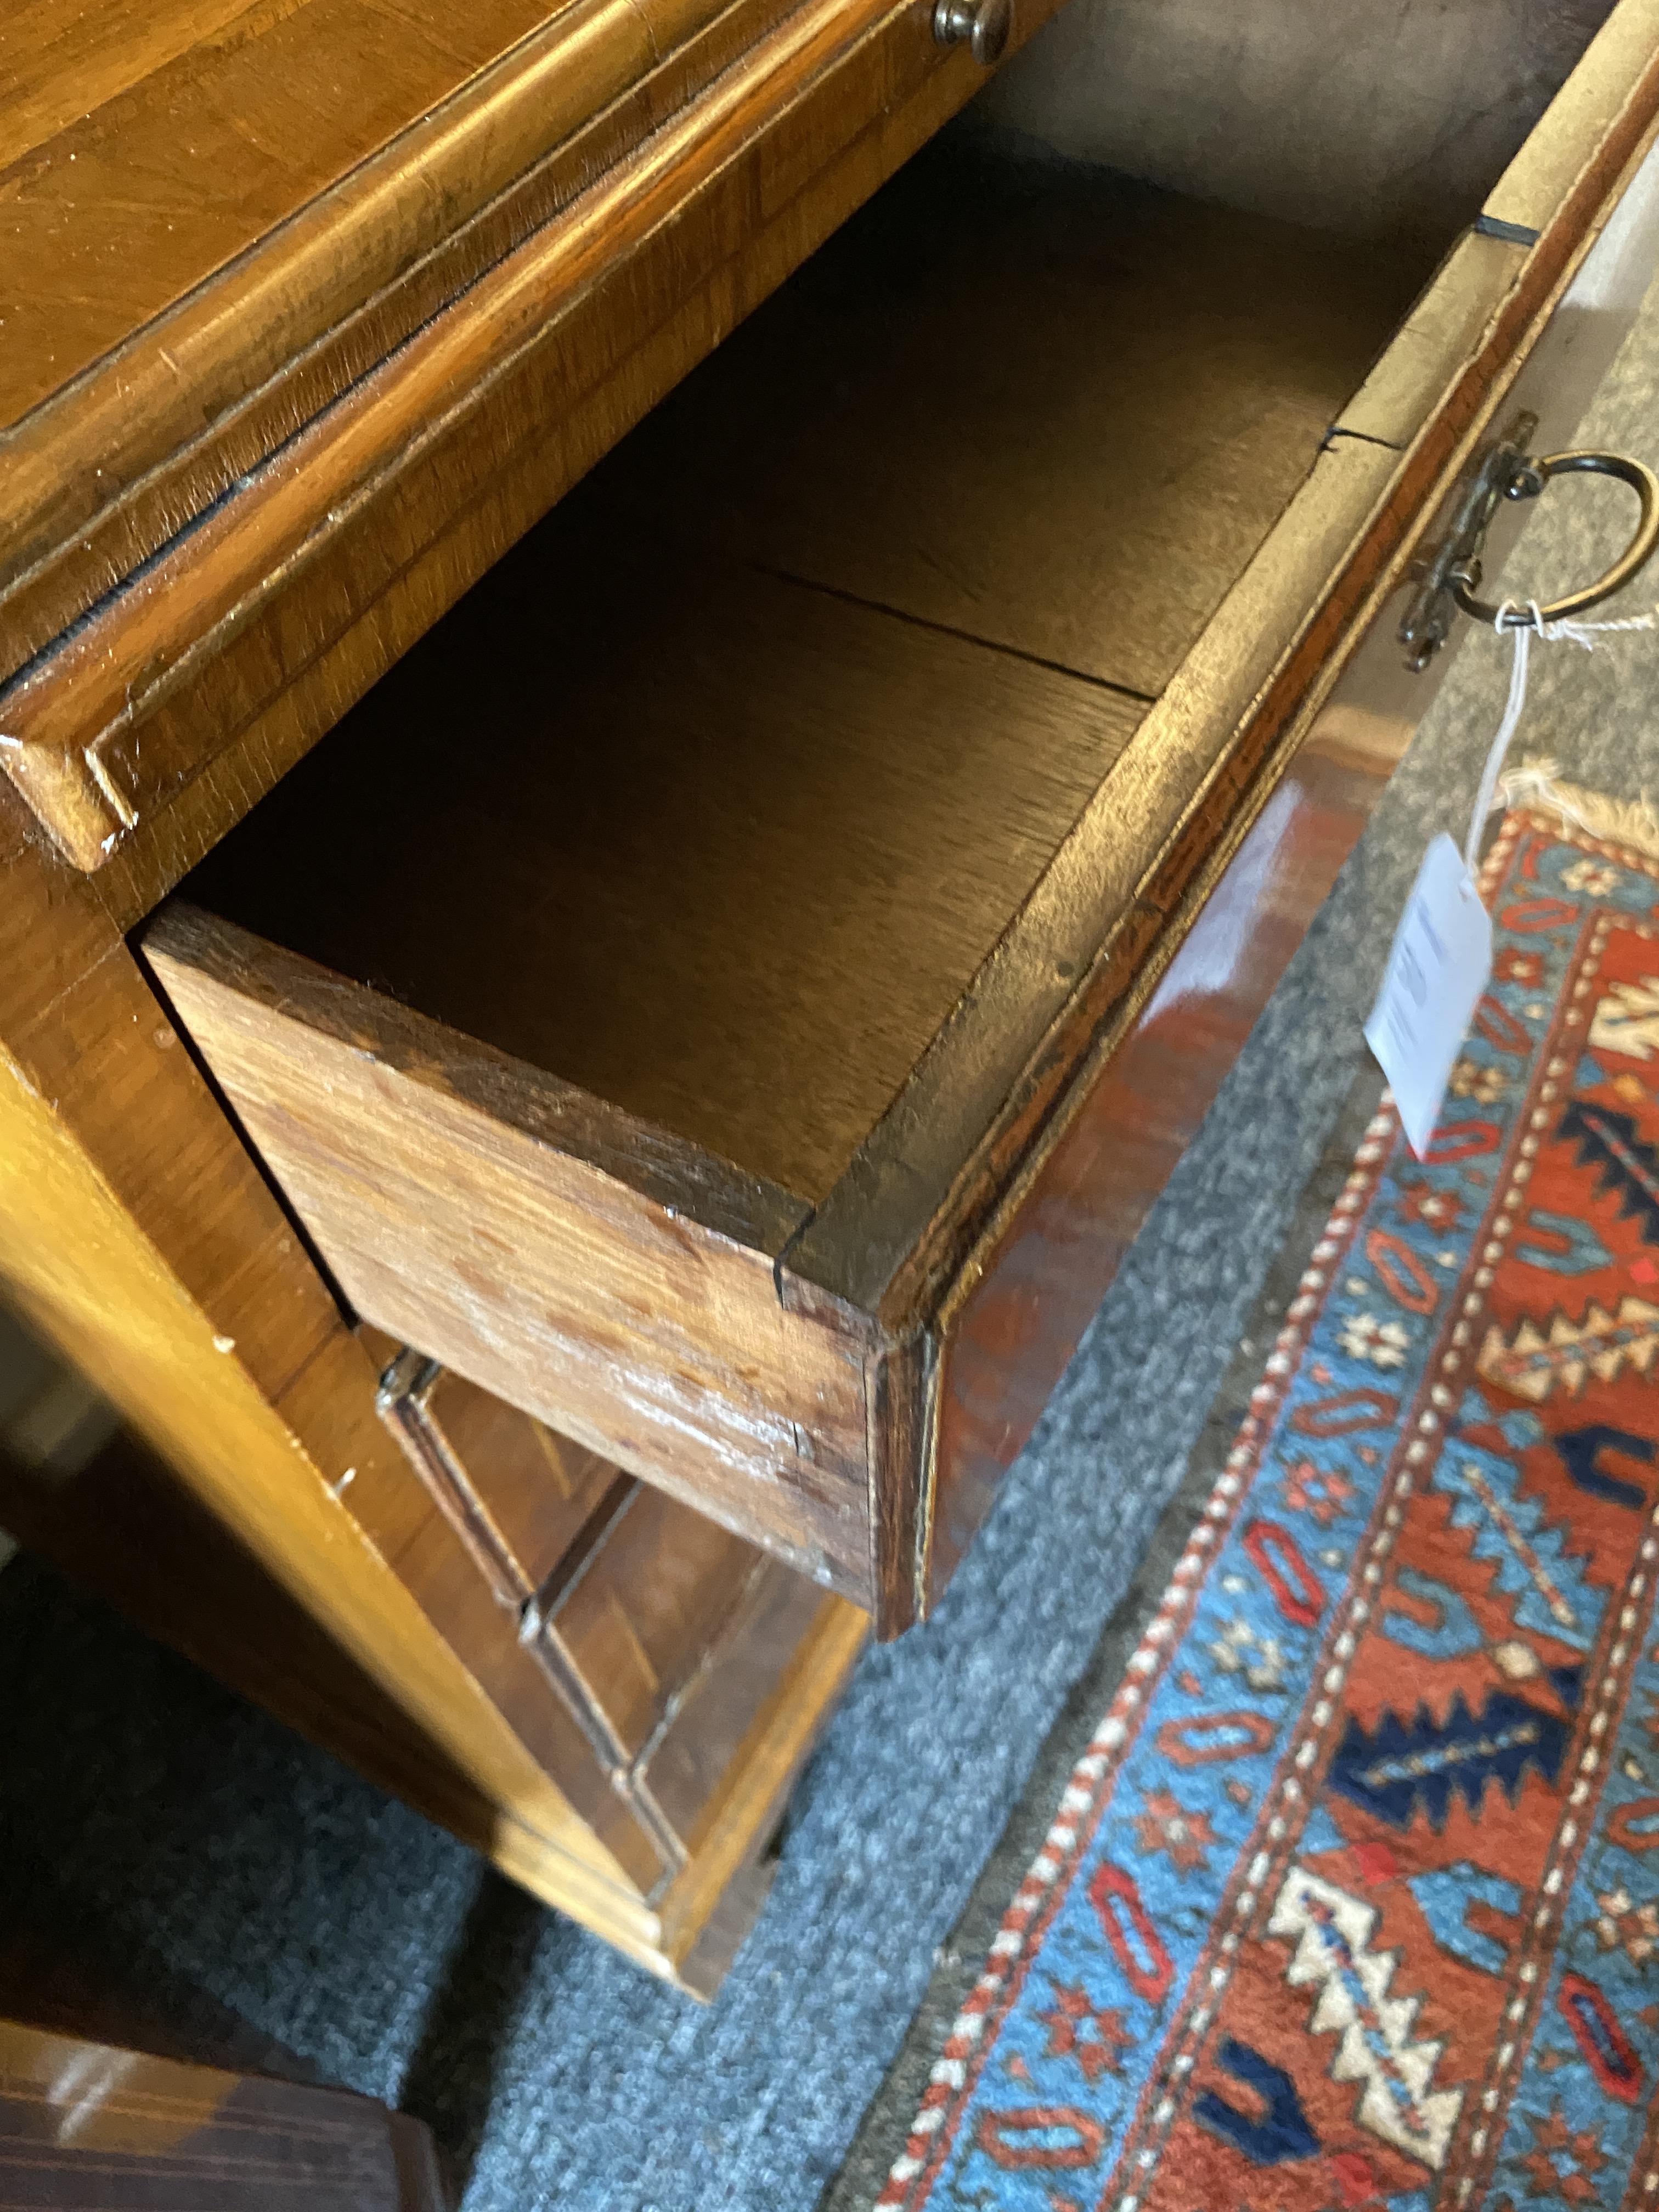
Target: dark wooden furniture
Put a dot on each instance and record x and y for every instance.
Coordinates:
(89, 2127)
(712, 1014)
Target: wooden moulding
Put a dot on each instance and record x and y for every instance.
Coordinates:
(212, 362)
(146, 732)
(657, 1627)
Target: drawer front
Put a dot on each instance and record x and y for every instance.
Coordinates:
(669, 1639)
(833, 1349)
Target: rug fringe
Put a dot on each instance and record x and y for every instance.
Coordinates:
(1537, 783)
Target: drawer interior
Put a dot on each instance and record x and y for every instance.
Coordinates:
(713, 798)
(651, 995)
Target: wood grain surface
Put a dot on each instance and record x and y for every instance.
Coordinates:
(695, 1759)
(148, 148)
(88, 2127)
(581, 1262)
(1076, 416)
(667, 1636)
(219, 216)
(643, 1606)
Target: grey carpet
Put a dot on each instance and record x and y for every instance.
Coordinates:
(145, 1814)
(887, 2123)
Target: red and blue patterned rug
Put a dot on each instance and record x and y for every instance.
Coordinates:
(1353, 1899)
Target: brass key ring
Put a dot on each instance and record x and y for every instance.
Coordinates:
(1528, 480)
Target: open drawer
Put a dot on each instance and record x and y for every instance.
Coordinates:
(665, 998)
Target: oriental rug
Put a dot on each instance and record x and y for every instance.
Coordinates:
(1353, 1898)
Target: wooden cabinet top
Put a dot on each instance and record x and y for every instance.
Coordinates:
(155, 154)
(309, 307)
(216, 216)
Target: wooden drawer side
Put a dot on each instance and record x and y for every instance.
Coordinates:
(585, 1268)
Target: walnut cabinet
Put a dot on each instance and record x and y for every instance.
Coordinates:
(663, 726)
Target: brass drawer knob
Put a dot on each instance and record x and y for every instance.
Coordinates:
(984, 23)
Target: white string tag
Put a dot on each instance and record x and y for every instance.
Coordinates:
(1440, 961)
(1437, 971)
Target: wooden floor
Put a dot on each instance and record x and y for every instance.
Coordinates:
(715, 795)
